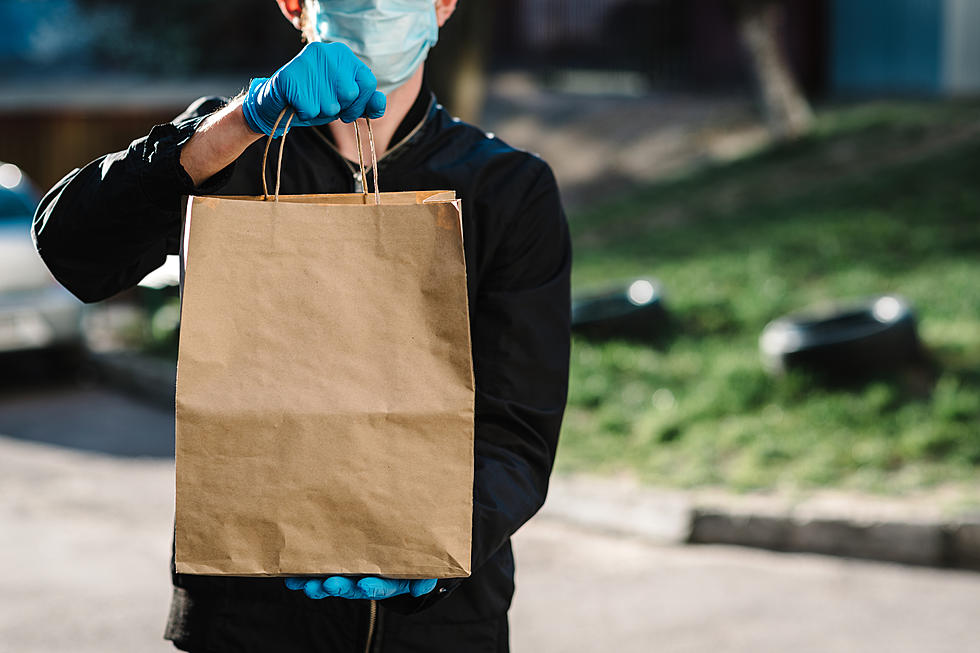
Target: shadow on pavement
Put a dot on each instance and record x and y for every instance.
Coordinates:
(41, 403)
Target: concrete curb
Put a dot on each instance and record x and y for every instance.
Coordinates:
(151, 379)
(926, 530)
(934, 544)
(931, 529)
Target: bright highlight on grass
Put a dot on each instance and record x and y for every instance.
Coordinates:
(886, 309)
(780, 337)
(10, 176)
(640, 292)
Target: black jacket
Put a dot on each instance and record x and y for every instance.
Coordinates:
(105, 226)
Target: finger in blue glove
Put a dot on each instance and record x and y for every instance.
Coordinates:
(315, 589)
(325, 81)
(342, 587)
(382, 588)
(423, 586)
(296, 583)
(369, 587)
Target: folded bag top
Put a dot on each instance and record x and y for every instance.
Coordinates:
(325, 385)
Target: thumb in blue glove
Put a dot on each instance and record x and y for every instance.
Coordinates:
(325, 81)
(367, 587)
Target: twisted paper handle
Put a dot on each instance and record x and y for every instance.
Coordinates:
(360, 157)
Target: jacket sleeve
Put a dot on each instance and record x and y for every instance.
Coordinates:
(520, 358)
(520, 325)
(105, 226)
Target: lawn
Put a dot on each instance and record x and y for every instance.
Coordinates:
(881, 198)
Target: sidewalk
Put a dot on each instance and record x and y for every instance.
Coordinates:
(85, 541)
(602, 144)
(937, 528)
(86, 544)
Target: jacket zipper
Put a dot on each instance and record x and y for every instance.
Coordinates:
(372, 621)
(359, 188)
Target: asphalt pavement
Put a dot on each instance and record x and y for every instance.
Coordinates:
(581, 591)
(86, 507)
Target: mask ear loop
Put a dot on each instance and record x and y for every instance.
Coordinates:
(265, 154)
(374, 161)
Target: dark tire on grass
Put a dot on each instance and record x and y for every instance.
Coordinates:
(845, 342)
(634, 311)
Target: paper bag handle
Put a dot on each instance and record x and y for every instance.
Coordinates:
(360, 157)
(374, 160)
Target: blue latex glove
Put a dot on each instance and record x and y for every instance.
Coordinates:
(368, 587)
(324, 82)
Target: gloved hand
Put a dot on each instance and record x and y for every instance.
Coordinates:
(368, 587)
(324, 82)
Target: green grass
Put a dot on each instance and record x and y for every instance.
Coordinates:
(881, 198)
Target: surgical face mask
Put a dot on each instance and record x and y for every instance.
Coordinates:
(392, 37)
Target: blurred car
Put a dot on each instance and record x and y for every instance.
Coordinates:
(36, 313)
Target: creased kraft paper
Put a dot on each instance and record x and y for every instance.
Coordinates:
(324, 388)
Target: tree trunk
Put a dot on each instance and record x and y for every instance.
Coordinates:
(456, 68)
(787, 111)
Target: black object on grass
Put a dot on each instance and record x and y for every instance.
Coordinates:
(844, 341)
(633, 311)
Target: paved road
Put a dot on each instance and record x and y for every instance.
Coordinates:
(88, 419)
(589, 592)
(85, 536)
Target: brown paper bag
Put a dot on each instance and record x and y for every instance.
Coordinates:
(324, 388)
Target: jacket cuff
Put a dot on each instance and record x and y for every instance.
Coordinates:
(162, 178)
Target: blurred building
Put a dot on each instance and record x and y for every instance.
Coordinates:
(835, 46)
(79, 78)
(82, 77)
(905, 46)
(673, 44)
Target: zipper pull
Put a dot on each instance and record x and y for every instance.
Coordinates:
(372, 624)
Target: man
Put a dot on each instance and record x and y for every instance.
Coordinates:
(105, 226)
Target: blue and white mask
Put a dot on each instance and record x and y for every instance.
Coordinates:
(391, 37)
